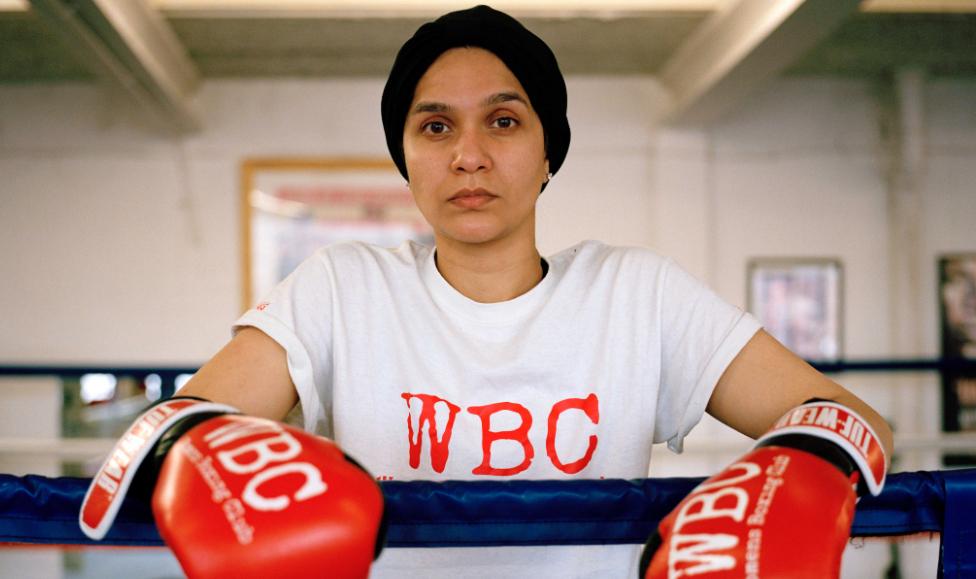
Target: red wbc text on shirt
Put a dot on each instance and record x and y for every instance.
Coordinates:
(439, 443)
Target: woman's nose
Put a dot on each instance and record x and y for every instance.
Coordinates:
(471, 154)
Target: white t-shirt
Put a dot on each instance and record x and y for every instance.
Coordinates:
(614, 350)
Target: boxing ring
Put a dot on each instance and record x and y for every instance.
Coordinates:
(40, 514)
(37, 510)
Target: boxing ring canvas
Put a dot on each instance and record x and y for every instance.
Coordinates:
(37, 510)
(291, 207)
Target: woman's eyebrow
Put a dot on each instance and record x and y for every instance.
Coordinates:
(504, 97)
(431, 107)
(497, 98)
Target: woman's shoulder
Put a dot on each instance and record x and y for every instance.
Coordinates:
(592, 252)
(345, 254)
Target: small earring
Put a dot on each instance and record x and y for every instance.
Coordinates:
(548, 177)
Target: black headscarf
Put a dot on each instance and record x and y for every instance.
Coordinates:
(524, 53)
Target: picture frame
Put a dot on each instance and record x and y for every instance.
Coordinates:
(290, 207)
(957, 305)
(957, 329)
(799, 301)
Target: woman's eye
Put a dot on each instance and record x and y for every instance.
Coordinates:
(505, 122)
(434, 128)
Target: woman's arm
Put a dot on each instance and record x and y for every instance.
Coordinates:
(250, 373)
(766, 380)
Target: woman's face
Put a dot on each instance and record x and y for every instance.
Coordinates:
(474, 150)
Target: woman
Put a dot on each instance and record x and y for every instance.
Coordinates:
(479, 359)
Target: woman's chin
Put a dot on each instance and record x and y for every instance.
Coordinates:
(475, 232)
(472, 237)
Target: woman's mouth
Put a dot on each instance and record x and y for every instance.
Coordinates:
(472, 198)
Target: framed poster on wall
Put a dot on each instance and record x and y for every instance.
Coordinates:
(957, 313)
(291, 207)
(799, 302)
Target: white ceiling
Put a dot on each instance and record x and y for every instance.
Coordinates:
(708, 54)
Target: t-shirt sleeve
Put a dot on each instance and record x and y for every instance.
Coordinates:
(700, 336)
(297, 315)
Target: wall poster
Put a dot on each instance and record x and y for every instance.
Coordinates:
(957, 307)
(798, 301)
(291, 207)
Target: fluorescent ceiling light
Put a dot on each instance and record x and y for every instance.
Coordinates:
(919, 6)
(429, 7)
(384, 8)
(13, 5)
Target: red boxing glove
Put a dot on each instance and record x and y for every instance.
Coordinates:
(783, 510)
(248, 497)
(138, 451)
(242, 496)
